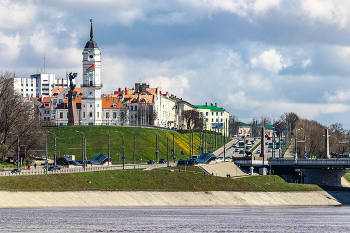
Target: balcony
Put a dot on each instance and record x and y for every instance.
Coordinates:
(92, 85)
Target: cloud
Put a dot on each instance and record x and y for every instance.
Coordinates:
(339, 96)
(16, 14)
(10, 46)
(178, 84)
(327, 11)
(233, 59)
(270, 60)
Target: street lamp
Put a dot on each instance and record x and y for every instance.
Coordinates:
(55, 147)
(123, 148)
(17, 149)
(296, 153)
(108, 145)
(83, 147)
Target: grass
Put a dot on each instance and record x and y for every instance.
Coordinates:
(153, 180)
(69, 142)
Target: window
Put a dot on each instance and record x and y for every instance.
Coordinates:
(83, 114)
(206, 113)
(132, 116)
(217, 114)
(206, 120)
(60, 101)
(131, 108)
(217, 120)
(222, 120)
(90, 114)
(212, 113)
(114, 115)
(61, 114)
(98, 115)
(44, 118)
(135, 108)
(98, 105)
(26, 89)
(212, 119)
(90, 105)
(107, 114)
(221, 113)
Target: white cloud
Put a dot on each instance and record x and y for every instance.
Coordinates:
(339, 96)
(16, 15)
(233, 59)
(328, 11)
(176, 85)
(127, 17)
(305, 63)
(261, 6)
(9, 46)
(271, 61)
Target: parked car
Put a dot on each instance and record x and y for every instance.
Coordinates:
(235, 135)
(247, 147)
(266, 143)
(181, 161)
(241, 152)
(236, 150)
(162, 161)
(270, 150)
(234, 145)
(151, 162)
(258, 151)
(255, 139)
(54, 168)
(192, 161)
(16, 170)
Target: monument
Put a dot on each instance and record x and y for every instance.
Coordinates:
(72, 107)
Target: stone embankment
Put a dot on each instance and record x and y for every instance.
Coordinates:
(9, 199)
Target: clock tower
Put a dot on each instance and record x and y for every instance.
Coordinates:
(91, 104)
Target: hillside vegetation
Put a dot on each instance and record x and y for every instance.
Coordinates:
(153, 180)
(69, 142)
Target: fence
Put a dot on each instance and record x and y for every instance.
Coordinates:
(40, 171)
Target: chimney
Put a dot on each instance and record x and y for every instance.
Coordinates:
(119, 89)
(206, 104)
(216, 104)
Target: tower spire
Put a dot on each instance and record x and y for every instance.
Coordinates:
(91, 32)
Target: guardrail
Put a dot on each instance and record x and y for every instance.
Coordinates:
(80, 169)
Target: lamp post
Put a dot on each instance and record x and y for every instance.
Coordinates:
(83, 147)
(17, 149)
(108, 144)
(296, 153)
(123, 149)
(55, 148)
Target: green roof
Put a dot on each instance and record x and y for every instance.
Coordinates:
(210, 107)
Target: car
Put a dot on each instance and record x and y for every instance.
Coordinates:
(52, 168)
(241, 152)
(181, 161)
(162, 161)
(270, 150)
(258, 151)
(247, 147)
(236, 150)
(248, 135)
(266, 143)
(235, 135)
(255, 139)
(192, 161)
(151, 161)
(16, 170)
(234, 145)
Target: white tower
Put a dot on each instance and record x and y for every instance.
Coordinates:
(91, 104)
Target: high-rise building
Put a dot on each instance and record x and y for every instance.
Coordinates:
(40, 85)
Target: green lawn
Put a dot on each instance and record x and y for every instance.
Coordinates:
(155, 180)
(69, 142)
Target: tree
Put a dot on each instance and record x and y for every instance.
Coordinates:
(233, 124)
(191, 117)
(146, 114)
(265, 121)
(17, 117)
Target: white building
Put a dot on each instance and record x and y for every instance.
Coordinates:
(91, 104)
(38, 85)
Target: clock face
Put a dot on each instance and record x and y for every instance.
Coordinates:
(90, 92)
(91, 56)
(97, 93)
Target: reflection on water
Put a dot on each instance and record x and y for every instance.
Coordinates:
(177, 219)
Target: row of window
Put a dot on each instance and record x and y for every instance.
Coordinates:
(212, 113)
(212, 120)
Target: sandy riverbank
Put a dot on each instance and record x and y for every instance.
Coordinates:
(10, 199)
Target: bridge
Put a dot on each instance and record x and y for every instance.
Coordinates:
(311, 171)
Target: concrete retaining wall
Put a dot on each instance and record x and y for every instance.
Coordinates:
(10, 199)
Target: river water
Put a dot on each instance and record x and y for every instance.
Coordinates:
(177, 219)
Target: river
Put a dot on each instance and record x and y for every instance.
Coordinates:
(177, 219)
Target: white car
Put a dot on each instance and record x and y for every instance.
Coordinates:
(258, 151)
(270, 150)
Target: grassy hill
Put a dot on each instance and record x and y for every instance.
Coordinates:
(153, 180)
(69, 142)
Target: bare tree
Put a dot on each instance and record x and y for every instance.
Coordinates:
(233, 124)
(146, 114)
(190, 117)
(17, 118)
(265, 121)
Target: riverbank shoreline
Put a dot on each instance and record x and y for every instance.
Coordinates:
(35, 199)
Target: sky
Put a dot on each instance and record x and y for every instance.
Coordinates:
(252, 57)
